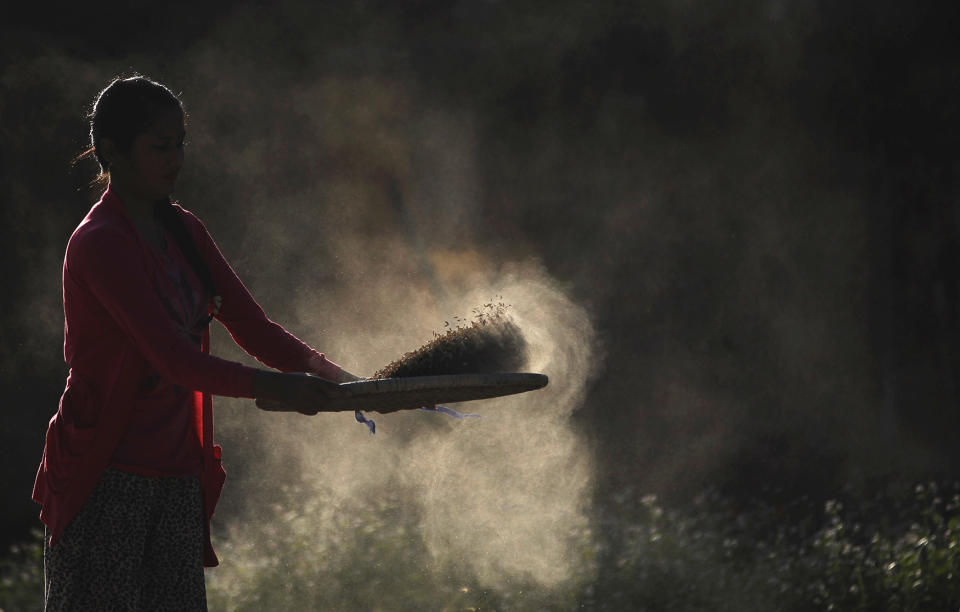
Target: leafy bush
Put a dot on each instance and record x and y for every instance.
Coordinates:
(21, 575)
(888, 553)
(909, 562)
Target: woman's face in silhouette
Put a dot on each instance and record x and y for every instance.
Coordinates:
(151, 166)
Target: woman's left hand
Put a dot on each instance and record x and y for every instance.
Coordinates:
(296, 392)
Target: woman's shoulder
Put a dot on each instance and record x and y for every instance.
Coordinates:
(102, 227)
(100, 233)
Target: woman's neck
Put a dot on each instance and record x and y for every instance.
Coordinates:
(140, 211)
(134, 203)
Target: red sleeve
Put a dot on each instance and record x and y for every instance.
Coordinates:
(109, 262)
(249, 326)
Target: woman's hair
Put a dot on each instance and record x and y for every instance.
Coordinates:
(126, 108)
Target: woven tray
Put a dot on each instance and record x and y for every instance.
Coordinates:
(389, 394)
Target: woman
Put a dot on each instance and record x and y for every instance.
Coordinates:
(130, 475)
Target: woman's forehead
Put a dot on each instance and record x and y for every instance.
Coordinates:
(169, 124)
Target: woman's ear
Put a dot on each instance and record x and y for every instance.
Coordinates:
(108, 151)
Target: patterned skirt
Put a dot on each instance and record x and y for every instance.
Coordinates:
(136, 545)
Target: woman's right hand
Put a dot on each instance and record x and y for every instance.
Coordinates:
(295, 392)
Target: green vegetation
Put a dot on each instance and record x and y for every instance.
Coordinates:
(21, 575)
(898, 551)
(885, 553)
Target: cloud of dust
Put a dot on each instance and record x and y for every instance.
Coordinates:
(503, 493)
(362, 247)
(499, 495)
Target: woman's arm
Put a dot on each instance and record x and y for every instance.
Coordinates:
(108, 262)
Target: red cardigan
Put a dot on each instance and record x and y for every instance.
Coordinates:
(115, 326)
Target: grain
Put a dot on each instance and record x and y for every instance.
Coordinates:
(490, 342)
